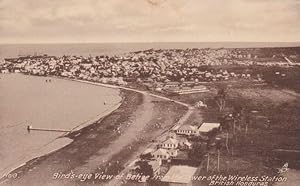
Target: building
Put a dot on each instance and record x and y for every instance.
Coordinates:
(161, 154)
(208, 127)
(173, 152)
(186, 90)
(179, 175)
(5, 71)
(171, 84)
(200, 104)
(187, 130)
(165, 154)
(184, 144)
(169, 143)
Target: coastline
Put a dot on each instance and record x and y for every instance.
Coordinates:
(58, 143)
(52, 146)
(64, 157)
(92, 146)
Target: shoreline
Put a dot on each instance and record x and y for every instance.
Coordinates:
(91, 142)
(83, 136)
(80, 138)
(61, 141)
(56, 144)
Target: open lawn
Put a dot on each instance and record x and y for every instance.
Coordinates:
(274, 113)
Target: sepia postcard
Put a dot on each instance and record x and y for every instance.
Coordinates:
(150, 92)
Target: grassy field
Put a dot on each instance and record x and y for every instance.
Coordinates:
(274, 113)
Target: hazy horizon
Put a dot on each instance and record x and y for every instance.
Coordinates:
(95, 49)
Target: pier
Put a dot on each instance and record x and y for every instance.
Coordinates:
(30, 128)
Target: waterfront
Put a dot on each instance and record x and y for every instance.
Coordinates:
(30, 100)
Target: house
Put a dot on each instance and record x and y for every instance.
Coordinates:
(184, 144)
(187, 130)
(5, 71)
(208, 127)
(165, 154)
(171, 84)
(200, 104)
(179, 175)
(161, 154)
(186, 90)
(169, 143)
(173, 152)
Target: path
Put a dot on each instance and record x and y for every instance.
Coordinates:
(139, 120)
(163, 136)
(144, 115)
(134, 90)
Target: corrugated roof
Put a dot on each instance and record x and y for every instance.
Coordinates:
(179, 174)
(171, 141)
(161, 151)
(206, 127)
(187, 127)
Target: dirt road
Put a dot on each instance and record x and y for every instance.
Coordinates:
(132, 132)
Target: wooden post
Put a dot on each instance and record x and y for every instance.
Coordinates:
(218, 160)
(227, 136)
(207, 166)
(29, 128)
(233, 127)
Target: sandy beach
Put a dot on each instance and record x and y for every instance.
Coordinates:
(109, 142)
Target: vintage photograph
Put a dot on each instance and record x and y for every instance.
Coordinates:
(150, 92)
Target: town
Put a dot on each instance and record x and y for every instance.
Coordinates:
(150, 65)
(154, 68)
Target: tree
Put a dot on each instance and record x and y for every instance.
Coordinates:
(237, 113)
(197, 152)
(225, 122)
(241, 117)
(144, 168)
(220, 98)
(147, 156)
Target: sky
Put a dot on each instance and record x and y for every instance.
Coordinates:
(84, 21)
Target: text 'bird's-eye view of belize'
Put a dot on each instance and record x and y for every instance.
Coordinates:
(150, 92)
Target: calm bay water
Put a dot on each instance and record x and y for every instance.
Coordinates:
(29, 100)
(13, 50)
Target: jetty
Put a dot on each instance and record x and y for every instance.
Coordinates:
(30, 128)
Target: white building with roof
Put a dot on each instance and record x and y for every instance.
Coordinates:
(161, 154)
(169, 143)
(164, 154)
(207, 127)
(179, 175)
(184, 144)
(187, 130)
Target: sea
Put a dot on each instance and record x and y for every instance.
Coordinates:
(94, 49)
(36, 101)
